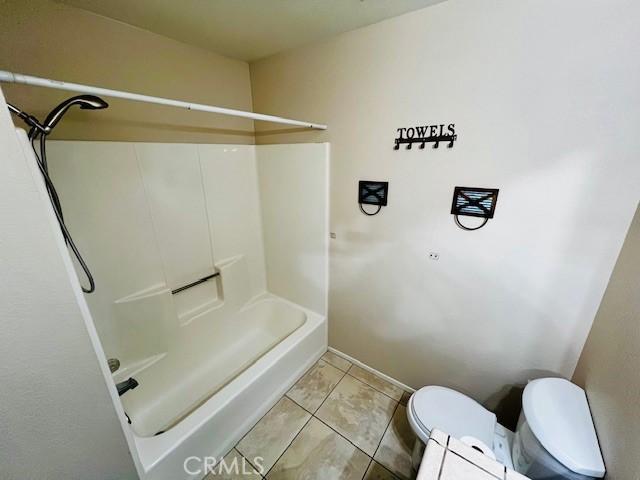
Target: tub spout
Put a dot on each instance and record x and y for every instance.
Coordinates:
(124, 387)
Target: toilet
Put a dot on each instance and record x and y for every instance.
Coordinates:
(555, 436)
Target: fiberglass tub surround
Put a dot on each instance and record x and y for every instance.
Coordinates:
(208, 352)
(152, 218)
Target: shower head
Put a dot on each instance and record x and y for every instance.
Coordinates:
(85, 102)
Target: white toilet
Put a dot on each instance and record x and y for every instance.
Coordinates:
(555, 437)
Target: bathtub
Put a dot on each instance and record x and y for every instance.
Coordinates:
(227, 376)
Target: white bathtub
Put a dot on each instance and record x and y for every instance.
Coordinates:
(203, 357)
(243, 384)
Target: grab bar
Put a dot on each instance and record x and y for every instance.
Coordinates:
(193, 284)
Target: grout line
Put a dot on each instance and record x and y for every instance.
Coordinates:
(396, 477)
(386, 429)
(360, 380)
(369, 385)
(286, 394)
(344, 374)
(311, 413)
(329, 426)
(341, 435)
(248, 461)
(393, 475)
(287, 447)
(326, 360)
(313, 416)
(366, 469)
(255, 424)
(337, 367)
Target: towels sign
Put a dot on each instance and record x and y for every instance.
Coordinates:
(426, 134)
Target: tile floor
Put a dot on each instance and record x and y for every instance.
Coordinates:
(337, 422)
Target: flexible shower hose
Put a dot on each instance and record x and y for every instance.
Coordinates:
(57, 207)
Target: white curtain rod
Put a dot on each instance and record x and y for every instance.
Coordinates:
(10, 77)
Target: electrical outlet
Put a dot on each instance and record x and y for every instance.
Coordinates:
(332, 235)
(434, 256)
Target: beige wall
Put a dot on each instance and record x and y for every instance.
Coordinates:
(609, 364)
(544, 97)
(43, 38)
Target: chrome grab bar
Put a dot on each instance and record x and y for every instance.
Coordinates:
(193, 284)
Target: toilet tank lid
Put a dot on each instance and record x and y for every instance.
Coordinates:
(558, 414)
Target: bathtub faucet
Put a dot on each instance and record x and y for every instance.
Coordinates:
(124, 387)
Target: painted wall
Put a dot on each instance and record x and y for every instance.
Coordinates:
(544, 96)
(49, 39)
(56, 413)
(609, 364)
(294, 184)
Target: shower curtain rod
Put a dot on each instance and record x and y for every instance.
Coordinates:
(10, 77)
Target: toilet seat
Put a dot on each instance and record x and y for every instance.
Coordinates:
(450, 411)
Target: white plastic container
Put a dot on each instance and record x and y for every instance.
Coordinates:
(555, 437)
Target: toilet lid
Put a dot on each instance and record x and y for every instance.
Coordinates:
(453, 413)
(558, 414)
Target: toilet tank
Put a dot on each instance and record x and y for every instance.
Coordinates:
(531, 459)
(555, 437)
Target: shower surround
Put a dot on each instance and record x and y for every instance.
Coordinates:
(211, 359)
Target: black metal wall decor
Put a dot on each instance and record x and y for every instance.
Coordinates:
(372, 193)
(474, 202)
(426, 134)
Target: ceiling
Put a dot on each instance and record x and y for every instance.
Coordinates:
(249, 29)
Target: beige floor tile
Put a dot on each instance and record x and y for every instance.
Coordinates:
(233, 467)
(395, 449)
(311, 390)
(358, 412)
(271, 436)
(337, 361)
(319, 453)
(376, 382)
(378, 472)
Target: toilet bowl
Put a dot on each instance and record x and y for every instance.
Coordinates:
(452, 412)
(555, 436)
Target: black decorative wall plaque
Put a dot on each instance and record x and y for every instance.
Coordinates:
(372, 193)
(474, 202)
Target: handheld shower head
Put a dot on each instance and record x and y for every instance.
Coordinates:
(38, 131)
(85, 102)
